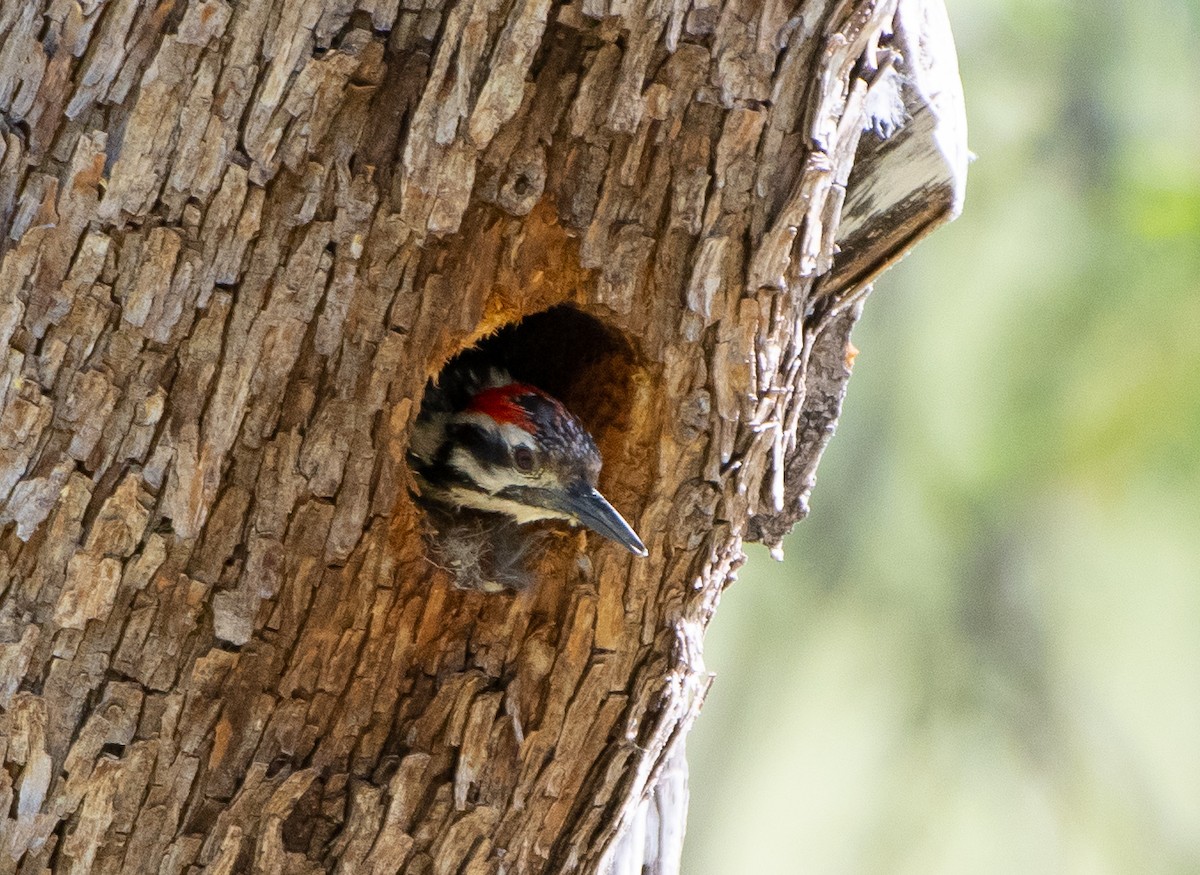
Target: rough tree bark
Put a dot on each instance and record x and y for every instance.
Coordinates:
(238, 238)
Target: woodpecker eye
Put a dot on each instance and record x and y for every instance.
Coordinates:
(523, 458)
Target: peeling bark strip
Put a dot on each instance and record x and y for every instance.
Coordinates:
(237, 238)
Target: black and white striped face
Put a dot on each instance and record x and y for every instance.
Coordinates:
(500, 466)
(515, 450)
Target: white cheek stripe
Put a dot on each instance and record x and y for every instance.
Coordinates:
(520, 512)
(482, 475)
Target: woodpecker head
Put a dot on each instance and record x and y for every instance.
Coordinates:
(489, 443)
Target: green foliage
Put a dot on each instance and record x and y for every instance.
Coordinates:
(982, 653)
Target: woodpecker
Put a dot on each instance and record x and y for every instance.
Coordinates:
(485, 443)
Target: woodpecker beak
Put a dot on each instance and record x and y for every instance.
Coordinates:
(593, 510)
(583, 503)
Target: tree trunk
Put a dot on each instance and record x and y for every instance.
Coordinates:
(238, 241)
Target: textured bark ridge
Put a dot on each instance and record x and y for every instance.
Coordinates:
(237, 240)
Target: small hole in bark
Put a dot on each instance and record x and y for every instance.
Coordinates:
(589, 368)
(277, 765)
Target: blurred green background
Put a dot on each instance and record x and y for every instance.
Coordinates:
(982, 654)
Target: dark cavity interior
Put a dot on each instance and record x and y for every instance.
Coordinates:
(572, 356)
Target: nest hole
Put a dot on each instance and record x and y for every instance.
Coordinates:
(585, 364)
